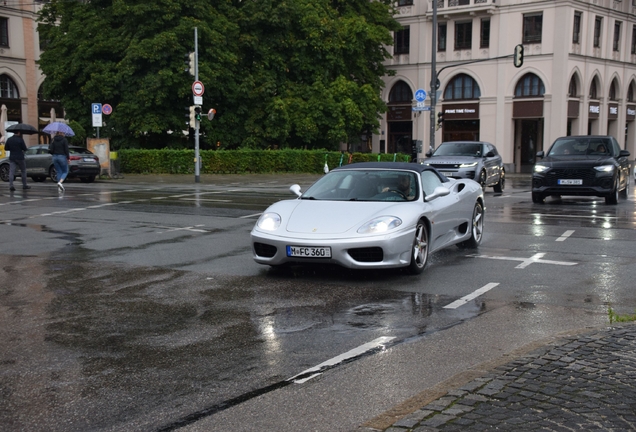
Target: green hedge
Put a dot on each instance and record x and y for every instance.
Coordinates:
(167, 161)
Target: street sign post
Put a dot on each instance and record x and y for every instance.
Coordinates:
(96, 110)
(197, 88)
(420, 95)
(107, 109)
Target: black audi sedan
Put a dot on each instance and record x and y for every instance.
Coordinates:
(582, 166)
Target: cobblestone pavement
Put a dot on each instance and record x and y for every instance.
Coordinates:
(585, 382)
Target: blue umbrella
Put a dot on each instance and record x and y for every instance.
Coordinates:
(59, 127)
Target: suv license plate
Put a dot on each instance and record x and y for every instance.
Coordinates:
(447, 174)
(308, 252)
(570, 182)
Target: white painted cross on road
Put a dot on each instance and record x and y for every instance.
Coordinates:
(525, 262)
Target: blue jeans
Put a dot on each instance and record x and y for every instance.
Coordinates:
(61, 166)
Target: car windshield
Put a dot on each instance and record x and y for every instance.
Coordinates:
(365, 185)
(581, 147)
(459, 149)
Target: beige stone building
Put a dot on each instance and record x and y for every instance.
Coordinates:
(578, 75)
(20, 77)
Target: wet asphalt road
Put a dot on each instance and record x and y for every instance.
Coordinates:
(134, 304)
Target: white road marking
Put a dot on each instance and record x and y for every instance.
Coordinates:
(191, 228)
(573, 216)
(525, 262)
(565, 235)
(379, 342)
(469, 297)
(205, 199)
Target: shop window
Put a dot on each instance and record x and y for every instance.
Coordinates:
(532, 25)
(597, 32)
(8, 89)
(617, 36)
(400, 93)
(576, 31)
(463, 35)
(593, 90)
(484, 36)
(612, 91)
(441, 37)
(402, 41)
(462, 87)
(630, 93)
(529, 85)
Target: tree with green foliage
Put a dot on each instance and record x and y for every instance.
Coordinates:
(301, 73)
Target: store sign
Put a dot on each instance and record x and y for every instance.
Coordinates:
(613, 111)
(399, 113)
(595, 110)
(461, 112)
(631, 113)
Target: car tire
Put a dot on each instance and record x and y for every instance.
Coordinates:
(499, 187)
(476, 228)
(419, 250)
(482, 179)
(53, 174)
(612, 198)
(537, 198)
(4, 172)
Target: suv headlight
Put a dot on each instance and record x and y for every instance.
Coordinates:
(269, 221)
(380, 225)
(540, 168)
(604, 168)
(468, 164)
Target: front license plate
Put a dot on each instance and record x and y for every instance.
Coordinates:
(570, 182)
(309, 252)
(447, 174)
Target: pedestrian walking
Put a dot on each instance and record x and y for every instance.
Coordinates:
(59, 149)
(17, 147)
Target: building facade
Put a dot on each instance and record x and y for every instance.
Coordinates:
(578, 75)
(20, 77)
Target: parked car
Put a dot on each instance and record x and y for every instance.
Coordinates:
(371, 215)
(476, 160)
(582, 166)
(83, 164)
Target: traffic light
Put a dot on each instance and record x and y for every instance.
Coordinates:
(518, 56)
(193, 117)
(190, 61)
(197, 112)
(440, 118)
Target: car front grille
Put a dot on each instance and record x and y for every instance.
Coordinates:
(264, 250)
(370, 254)
(553, 176)
(442, 166)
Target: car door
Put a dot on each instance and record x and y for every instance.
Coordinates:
(492, 163)
(442, 211)
(38, 160)
(623, 162)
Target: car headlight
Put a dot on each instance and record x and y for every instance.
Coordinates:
(468, 165)
(269, 221)
(604, 168)
(540, 168)
(380, 225)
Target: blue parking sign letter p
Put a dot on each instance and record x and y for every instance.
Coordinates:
(97, 108)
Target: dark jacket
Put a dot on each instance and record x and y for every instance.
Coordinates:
(16, 146)
(59, 146)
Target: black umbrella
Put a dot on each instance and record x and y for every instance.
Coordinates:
(23, 128)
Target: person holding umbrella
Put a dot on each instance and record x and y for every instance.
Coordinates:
(17, 147)
(59, 149)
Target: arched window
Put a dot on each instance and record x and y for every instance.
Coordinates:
(529, 85)
(8, 89)
(593, 90)
(573, 90)
(612, 92)
(630, 93)
(401, 93)
(462, 87)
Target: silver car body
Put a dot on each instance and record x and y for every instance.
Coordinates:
(39, 163)
(331, 218)
(476, 160)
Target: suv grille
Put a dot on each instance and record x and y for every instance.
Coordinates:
(587, 175)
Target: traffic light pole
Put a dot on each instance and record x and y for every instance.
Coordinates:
(197, 176)
(433, 77)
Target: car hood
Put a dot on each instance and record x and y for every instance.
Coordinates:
(576, 161)
(330, 217)
(451, 160)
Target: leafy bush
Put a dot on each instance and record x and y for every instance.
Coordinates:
(170, 161)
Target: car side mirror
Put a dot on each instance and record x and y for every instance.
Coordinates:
(623, 153)
(429, 153)
(540, 154)
(439, 191)
(490, 154)
(295, 189)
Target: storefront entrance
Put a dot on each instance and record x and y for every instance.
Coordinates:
(529, 138)
(400, 137)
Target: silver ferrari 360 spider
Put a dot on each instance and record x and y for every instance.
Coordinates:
(371, 215)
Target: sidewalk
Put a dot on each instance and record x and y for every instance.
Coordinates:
(585, 382)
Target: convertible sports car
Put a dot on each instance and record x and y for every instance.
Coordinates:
(371, 215)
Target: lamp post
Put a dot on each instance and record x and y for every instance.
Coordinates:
(433, 76)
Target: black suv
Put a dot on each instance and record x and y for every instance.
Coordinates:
(583, 166)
